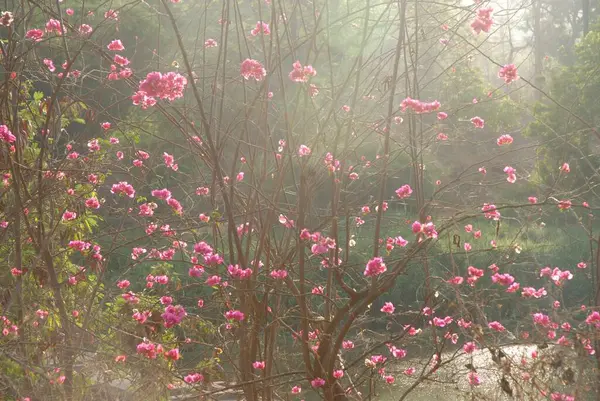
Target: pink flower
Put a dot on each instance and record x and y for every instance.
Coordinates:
(123, 284)
(116, 45)
(388, 308)
(258, 365)
(170, 161)
(240, 176)
(564, 204)
(92, 203)
(213, 281)
(48, 63)
(279, 274)
(375, 267)
(35, 35)
(389, 379)
(193, 378)
(478, 122)
(123, 188)
(54, 26)
(112, 15)
(503, 279)
(530, 292)
(173, 354)
(442, 137)
(514, 287)
(532, 199)
(439, 322)
(168, 86)
(581, 265)
(338, 374)
(542, 320)
(474, 379)
(252, 69)
(173, 315)
(458, 280)
(317, 382)
(300, 73)
(396, 352)
(469, 347)
(508, 73)
(6, 135)
(202, 191)
(123, 61)
(442, 116)
(149, 350)
(234, 315)
(511, 172)
(565, 168)
(467, 247)
(483, 21)
(504, 140)
(496, 326)
(261, 27)
(410, 371)
(418, 106)
(304, 151)
(404, 191)
(68, 216)
(296, 390)
(347, 344)
(208, 43)
(106, 126)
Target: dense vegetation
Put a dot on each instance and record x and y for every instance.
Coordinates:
(283, 199)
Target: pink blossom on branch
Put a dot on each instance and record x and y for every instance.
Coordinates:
(508, 73)
(261, 27)
(483, 22)
(375, 267)
(301, 73)
(252, 69)
(478, 122)
(418, 106)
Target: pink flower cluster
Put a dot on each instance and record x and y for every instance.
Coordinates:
(530, 292)
(252, 69)
(504, 279)
(234, 315)
(149, 350)
(508, 73)
(193, 378)
(173, 315)
(123, 188)
(236, 272)
(168, 86)
(490, 211)
(556, 275)
(321, 244)
(428, 229)
(404, 191)
(483, 21)
(302, 73)
(418, 106)
(504, 140)
(478, 122)
(6, 135)
(375, 267)
(261, 27)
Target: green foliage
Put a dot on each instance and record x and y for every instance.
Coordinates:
(560, 131)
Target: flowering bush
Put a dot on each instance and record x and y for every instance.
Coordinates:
(237, 227)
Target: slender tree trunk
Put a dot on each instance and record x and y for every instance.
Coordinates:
(585, 7)
(537, 37)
